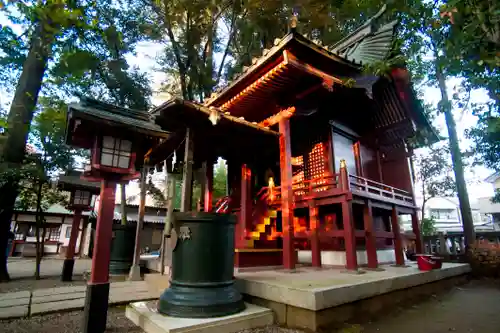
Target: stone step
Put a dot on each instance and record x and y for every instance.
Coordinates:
(145, 315)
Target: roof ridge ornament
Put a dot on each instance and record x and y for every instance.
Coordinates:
(294, 20)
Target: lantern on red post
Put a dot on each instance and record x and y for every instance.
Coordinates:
(119, 139)
(81, 192)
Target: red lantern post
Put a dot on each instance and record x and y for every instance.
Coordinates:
(80, 200)
(116, 138)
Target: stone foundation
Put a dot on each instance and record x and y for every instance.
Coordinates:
(358, 311)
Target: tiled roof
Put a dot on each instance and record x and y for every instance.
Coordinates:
(137, 120)
(365, 45)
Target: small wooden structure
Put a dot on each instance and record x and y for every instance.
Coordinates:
(81, 193)
(118, 139)
(319, 153)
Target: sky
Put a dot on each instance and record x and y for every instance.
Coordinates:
(145, 60)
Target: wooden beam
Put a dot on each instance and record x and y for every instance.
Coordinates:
(287, 205)
(290, 59)
(187, 175)
(398, 243)
(246, 198)
(349, 236)
(371, 247)
(209, 185)
(314, 226)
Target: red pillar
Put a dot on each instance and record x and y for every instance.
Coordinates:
(286, 194)
(75, 228)
(103, 234)
(69, 261)
(416, 230)
(246, 198)
(314, 225)
(371, 247)
(398, 244)
(349, 236)
(209, 186)
(97, 295)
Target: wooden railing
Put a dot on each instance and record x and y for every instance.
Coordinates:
(306, 188)
(370, 186)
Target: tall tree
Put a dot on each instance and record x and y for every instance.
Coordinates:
(47, 136)
(434, 175)
(425, 40)
(66, 47)
(44, 22)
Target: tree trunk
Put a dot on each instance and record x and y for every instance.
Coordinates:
(456, 156)
(39, 224)
(423, 209)
(19, 121)
(123, 204)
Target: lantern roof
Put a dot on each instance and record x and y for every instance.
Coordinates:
(99, 113)
(71, 180)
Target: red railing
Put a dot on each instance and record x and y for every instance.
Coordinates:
(386, 191)
(306, 188)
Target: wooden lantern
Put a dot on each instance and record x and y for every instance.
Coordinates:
(112, 154)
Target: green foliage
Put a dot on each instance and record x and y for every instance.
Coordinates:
(427, 226)
(47, 136)
(220, 180)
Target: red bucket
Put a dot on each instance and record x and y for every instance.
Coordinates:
(427, 262)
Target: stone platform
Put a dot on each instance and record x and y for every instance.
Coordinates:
(321, 299)
(145, 315)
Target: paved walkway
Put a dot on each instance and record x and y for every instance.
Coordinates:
(40, 301)
(22, 267)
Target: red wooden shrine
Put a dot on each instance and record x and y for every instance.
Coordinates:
(318, 152)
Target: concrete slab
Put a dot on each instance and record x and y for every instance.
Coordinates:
(69, 305)
(57, 297)
(14, 312)
(58, 290)
(15, 295)
(144, 315)
(315, 290)
(14, 302)
(121, 298)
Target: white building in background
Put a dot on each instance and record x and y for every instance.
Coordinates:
(486, 206)
(446, 213)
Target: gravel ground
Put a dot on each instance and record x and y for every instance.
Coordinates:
(71, 322)
(25, 283)
(67, 322)
(474, 307)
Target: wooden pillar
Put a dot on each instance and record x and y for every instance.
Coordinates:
(287, 204)
(349, 236)
(135, 270)
(69, 260)
(187, 175)
(209, 185)
(370, 240)
(246, 197)
(416, 230)
(97, 293)
(398, 244)
(314, 236)
(379, 167)
(75, 228)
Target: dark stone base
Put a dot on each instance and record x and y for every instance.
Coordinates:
(118, 267)
(96, 308)
(67, 270)
(200, 302)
